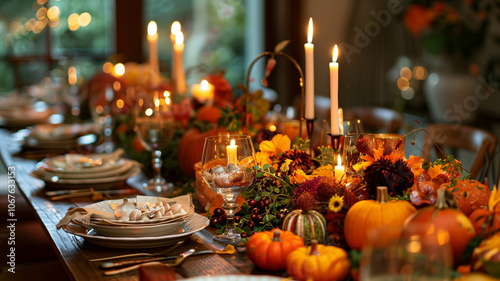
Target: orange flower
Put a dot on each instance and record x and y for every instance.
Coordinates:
(263, 158)
(324, 171)
(417, 18)
(279, 144)
(298, 177)
(415, 163)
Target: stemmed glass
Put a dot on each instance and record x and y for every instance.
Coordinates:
(226, 167)
(102, 108)
(412, 252)
(154, 125)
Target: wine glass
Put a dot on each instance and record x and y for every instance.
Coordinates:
(226, 167)
(413, 252)
(102, 108)
(154, 125)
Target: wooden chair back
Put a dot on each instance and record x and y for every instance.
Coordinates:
(478, 141)
(376, 119)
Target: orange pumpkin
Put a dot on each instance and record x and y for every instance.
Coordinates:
(446, 216)
(190, 149)
(318, 262)
(485, 221)
(208, 113)
(469, 194)
(269, 249)
(366, 215)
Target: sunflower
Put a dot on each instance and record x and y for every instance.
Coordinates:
(336, 203)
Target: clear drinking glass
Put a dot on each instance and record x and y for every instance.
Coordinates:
(352, 154)
(414, 252)
(226, 167)
(154, 125)
(102, 108)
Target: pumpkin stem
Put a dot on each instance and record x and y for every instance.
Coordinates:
(445, 200)
(314, 248)
(276, 236)
(382, 194)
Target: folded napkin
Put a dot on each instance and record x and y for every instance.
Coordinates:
(83, 215)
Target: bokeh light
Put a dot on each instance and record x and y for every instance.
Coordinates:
(107, 67)
(119, 69)
(84, 19)
(408, 94)
(406, 73)
(403, 84)
(420, 72)
(53, 13)
(73, 23)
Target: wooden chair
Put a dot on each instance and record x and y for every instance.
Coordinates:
(376, 119)
(478, 141)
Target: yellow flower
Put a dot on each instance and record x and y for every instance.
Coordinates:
(263, 158)
(298, 177)
(286, 166)
(336, 203)
(324, 171)
(361, 166)
(279, 144)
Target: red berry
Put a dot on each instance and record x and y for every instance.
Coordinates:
(237, 219)
(214, 221)
(219, 212)
(259, 217)
(251, 224)
(222, 219)
(253, 217)
(267, 202)
(279, 215)
(252, 203)
(256, 211)
(244, 234)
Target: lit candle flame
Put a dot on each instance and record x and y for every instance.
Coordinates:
(152, 28)
(335, 53)
(232, 143)
(204, 85)
(175, 28)
(310, 31)
(339, 160)
(179, 38)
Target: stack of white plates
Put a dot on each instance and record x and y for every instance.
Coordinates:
(104, 231)
(75, 171)
(62, 137)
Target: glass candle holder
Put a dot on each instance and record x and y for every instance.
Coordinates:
(390, 143)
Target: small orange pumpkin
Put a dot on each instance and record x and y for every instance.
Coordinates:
(190, 149)
(487, 221)
(366, 215)
(318, 262)
(469, 194)
(269, 249)
(445, 215)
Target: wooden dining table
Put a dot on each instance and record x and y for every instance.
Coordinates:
(74, 252)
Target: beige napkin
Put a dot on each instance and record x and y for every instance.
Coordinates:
(88, 216)
(83, 215)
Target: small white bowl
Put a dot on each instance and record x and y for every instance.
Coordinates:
(136, 230)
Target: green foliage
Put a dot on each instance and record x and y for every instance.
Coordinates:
(451, 166)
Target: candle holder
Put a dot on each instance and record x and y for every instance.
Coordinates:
(310, 132)
(277, 52)
(336, 141)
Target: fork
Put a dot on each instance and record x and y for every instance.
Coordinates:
(141, 254)
(178, 262)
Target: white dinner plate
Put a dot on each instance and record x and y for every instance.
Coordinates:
(69, 163)
(95, 183)
(120, 167)
(184, 230)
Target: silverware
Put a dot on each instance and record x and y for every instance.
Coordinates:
(178, 262)
(142, 254)
(109, 265)
(89, 193)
